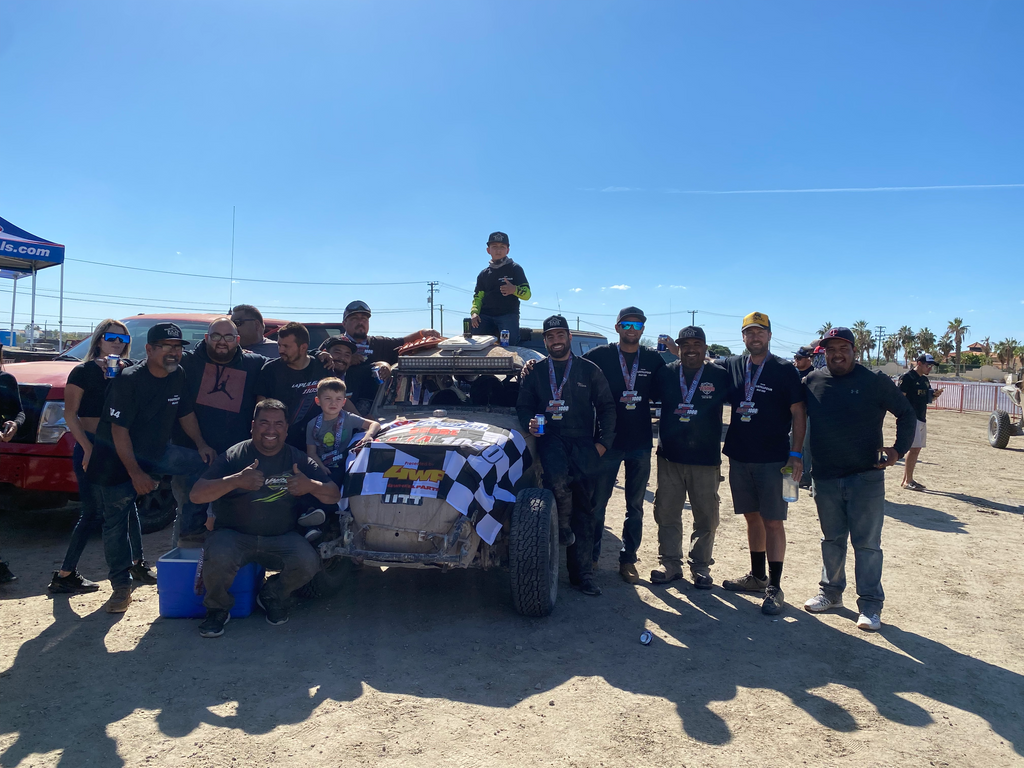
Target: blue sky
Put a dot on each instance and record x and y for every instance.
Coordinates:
(382, 142)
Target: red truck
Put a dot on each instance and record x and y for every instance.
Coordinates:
(35, 467)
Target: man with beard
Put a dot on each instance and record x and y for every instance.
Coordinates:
(567, 389)
(292, 379)
(249, 322)
(221, 379)
(374, 356)
(803, 359)
(256, 488)
(847, 405)
(767, 400)
(133, 444)
(634, 368)
(692, 397)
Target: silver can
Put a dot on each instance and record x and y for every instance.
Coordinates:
(504, 338)
(112, 367)
(540, 423)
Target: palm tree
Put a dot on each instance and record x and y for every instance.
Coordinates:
(907, 341)
(863, 336)
(1006, 351)
(958, 330)
(945, 346)
(824, 329)
(926, 340)
(890, 347)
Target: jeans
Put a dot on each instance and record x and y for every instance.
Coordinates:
(495, 324)
(226, 551)
(676, 482)
(638, 472)
(569, 466)
(185, 466)
(852, 507)
(90, 520)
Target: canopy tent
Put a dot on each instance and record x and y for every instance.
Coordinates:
(21, 254)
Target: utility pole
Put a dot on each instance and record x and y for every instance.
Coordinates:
(880, 338)
(432, 285)
(577, 322)
(693, 316)
(441, 307)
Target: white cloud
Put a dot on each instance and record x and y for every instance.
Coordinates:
(179, 253)
(620, 189)
(622, 287)
(659, 285)
(678, 286)
(536, 303)
(575, 290)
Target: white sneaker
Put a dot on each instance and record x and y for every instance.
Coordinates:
(872, 622)
(822, 602)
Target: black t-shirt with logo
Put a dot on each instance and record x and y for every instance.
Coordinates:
(487, 294)
(269, 510)
(699, 440)
(359, 378)
(297, 390)
(765, 437)
(632, 425)
(918, 390)
(91, 378)
(145, 405)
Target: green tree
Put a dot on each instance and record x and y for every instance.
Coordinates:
(958, 331)
(865, 341)
(719, 349)
(926, 340)
(1006, 351)
(890, 347)
(824, 329)
(973, 358)
(907, 341)
(945, 346)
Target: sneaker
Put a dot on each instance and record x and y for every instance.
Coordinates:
(628, 573)
(119, 600)
(313, 535)
(913, 486)
(277, 613)
(214, 624)
(588, 586)
(143, 573)
(665, 574)
(774, 601)
(73, 583)
(701, 580)
(311, 518)
(566, 538)
(748, 583)
(869, 622)
(6, 577)
(822, 602)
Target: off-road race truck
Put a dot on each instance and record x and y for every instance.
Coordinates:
(1001, 426)
(450, 481)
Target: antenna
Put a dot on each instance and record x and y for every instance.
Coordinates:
(231, 282)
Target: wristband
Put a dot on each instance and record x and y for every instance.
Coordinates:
(796, 454)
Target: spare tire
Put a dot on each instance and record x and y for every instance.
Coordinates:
(533, 552)
(999, 429)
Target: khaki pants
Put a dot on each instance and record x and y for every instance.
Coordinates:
(675, 483)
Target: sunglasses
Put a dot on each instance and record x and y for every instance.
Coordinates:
(228, 337)
(124, 338)
(632, 325)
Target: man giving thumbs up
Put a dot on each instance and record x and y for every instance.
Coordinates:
(255, 487)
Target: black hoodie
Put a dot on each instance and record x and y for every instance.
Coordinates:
(224, 395)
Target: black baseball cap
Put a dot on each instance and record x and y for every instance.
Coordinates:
(164, 332)
(924, 357)
(554, 322)
(839, 333)
(631, 312)
(804, 351)
(692, 332)
(497, 237)
(356, 306)
(335, 341)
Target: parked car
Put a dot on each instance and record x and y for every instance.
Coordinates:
(35, 467)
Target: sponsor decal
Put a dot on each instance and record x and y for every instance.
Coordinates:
(707, 387)
(401, 498)
(409, 473)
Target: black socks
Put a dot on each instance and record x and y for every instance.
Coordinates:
(774, 574)
(757, 561)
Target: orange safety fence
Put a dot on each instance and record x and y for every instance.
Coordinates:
(974, 396)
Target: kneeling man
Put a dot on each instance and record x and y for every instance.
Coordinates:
(256, 487)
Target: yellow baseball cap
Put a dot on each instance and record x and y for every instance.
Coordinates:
(759, 319)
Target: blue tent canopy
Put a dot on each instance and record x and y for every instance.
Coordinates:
(22, 253)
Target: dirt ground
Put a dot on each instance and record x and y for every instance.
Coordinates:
(424, 668)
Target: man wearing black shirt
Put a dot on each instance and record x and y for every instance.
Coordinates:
(567, 390)
(915, 385)
(133, 443)
(634, 368)
(292, 379)
(767, 400)
(692, 397)
(500, 286)
(255, 488)
(803, 359)
(847, 405)
(12, 417)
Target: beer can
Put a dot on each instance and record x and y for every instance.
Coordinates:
(662, 347)
(540, 423)
(504, 338)
(113, 366)
(646, 637)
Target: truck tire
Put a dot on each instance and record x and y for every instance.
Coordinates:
(157, 509)
(533, 552)
(999, 429)
(328, 580)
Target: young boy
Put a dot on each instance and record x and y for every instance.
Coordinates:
(500, 287)
(328, 435)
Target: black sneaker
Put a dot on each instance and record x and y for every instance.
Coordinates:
(6, 577)
(277, 612)
(566, 538)
(214, 624)
(142, 573)
(588, 586)
(73, 583)
(774, 601)
(313, 536)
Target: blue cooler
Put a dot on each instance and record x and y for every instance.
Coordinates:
(175, 583)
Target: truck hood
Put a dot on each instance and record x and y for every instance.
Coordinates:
(52, 372)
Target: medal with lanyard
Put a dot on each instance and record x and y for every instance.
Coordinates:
(362, 347)
(630, 396)
(556, 405)
(333, 441)
(747, 409)
(686, 408)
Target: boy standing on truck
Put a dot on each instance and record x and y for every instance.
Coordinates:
(499, 289)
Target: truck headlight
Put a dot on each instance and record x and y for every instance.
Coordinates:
(51, 422)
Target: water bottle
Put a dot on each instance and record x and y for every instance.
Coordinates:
(790, 489)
